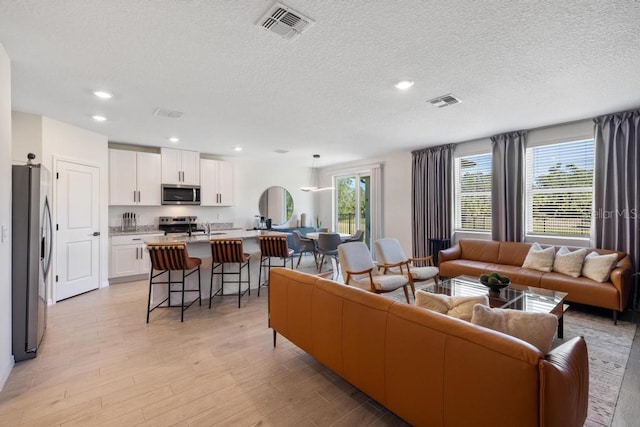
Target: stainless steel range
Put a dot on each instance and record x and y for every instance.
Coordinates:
(180, 225)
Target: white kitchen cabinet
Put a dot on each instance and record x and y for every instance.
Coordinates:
(134, 178)
(216, 183)
(128, 256)
(180, 167)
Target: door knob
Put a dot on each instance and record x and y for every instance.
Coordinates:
(96, 233)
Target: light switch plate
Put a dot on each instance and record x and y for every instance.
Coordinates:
(4, 233)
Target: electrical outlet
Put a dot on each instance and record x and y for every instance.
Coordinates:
(218, 216)
(4, 233)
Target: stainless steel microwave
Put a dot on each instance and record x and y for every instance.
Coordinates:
(180, 194)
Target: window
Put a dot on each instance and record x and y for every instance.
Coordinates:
(473, 193)
(559, 189)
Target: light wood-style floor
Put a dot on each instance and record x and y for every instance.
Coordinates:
(101, 364)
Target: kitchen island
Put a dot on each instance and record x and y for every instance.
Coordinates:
(198, 246)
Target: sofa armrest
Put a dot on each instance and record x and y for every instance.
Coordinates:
(449, 254)
(621, 278)
(564, 386)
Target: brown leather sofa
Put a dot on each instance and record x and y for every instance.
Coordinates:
(430, 369)
(475, 257)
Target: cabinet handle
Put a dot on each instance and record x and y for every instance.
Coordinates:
(134, 196)
(138, 197)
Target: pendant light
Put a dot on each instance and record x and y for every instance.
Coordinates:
(313, 183)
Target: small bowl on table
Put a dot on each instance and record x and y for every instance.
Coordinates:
(495, 287)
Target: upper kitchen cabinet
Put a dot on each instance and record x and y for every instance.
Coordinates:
(216, 183)
(180, 167)
(134, 178)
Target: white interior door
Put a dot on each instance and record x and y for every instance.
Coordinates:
(78, 233)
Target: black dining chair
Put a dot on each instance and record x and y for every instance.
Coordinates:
(304, 245)
(328, 246)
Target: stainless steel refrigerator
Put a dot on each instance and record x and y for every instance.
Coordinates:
(31, 257)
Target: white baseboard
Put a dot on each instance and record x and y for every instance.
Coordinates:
(5, 370)
(104, 284)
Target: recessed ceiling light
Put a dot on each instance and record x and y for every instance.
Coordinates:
(237, 148)
(174, 139)
(404, 84)
(99, 118)
(102, 94)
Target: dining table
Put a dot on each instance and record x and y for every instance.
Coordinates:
(314, 236)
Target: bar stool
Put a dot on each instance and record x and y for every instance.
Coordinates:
(228, 251)
(273, 247)
(164, 259)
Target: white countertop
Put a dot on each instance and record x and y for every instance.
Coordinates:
(203, 238)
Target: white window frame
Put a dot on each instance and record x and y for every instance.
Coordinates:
(549, 238)
(457, 196)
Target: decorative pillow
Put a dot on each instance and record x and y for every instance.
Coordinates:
(537, 329)
(460, 307)
(569, 263)
(539, 259)
(598, 267)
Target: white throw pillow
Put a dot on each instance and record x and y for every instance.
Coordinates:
(598, 267)
(569, 263)
(539, 259)
(460, 307)
(537, 329)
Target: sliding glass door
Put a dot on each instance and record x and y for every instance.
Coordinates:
(353, 208)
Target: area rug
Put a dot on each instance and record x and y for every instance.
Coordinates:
(608, 346)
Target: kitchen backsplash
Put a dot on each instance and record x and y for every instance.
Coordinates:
(151, 228)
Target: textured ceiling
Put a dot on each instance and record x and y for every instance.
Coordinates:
(515, 64)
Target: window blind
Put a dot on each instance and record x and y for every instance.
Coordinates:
(473, 193)
(559, 189)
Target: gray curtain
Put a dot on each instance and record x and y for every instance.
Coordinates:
(431, 190)
(507, 187)
(616, 185)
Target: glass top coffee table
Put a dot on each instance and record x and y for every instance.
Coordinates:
(514, 296)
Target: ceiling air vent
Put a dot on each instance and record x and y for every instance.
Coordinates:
(284, 21)
(444, 101)
(169, 114)
(281, 151)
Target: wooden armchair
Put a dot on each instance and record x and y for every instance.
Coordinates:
(359, 270)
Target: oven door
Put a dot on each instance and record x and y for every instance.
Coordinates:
(185, 195)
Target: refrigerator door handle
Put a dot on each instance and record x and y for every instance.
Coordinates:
(47, 241)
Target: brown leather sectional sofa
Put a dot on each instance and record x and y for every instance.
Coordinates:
(474, 257)
(428, 368)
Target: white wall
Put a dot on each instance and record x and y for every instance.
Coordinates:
(6, 358)
(27, 137)
(251, 178)
(396, 194)
(61, 141)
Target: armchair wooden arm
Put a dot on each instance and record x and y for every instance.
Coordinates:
(385, 267)
(369, 270)
(428, 259)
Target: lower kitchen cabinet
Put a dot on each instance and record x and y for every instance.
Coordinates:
(128, 257)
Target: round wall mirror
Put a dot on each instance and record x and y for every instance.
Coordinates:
(276, 204)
